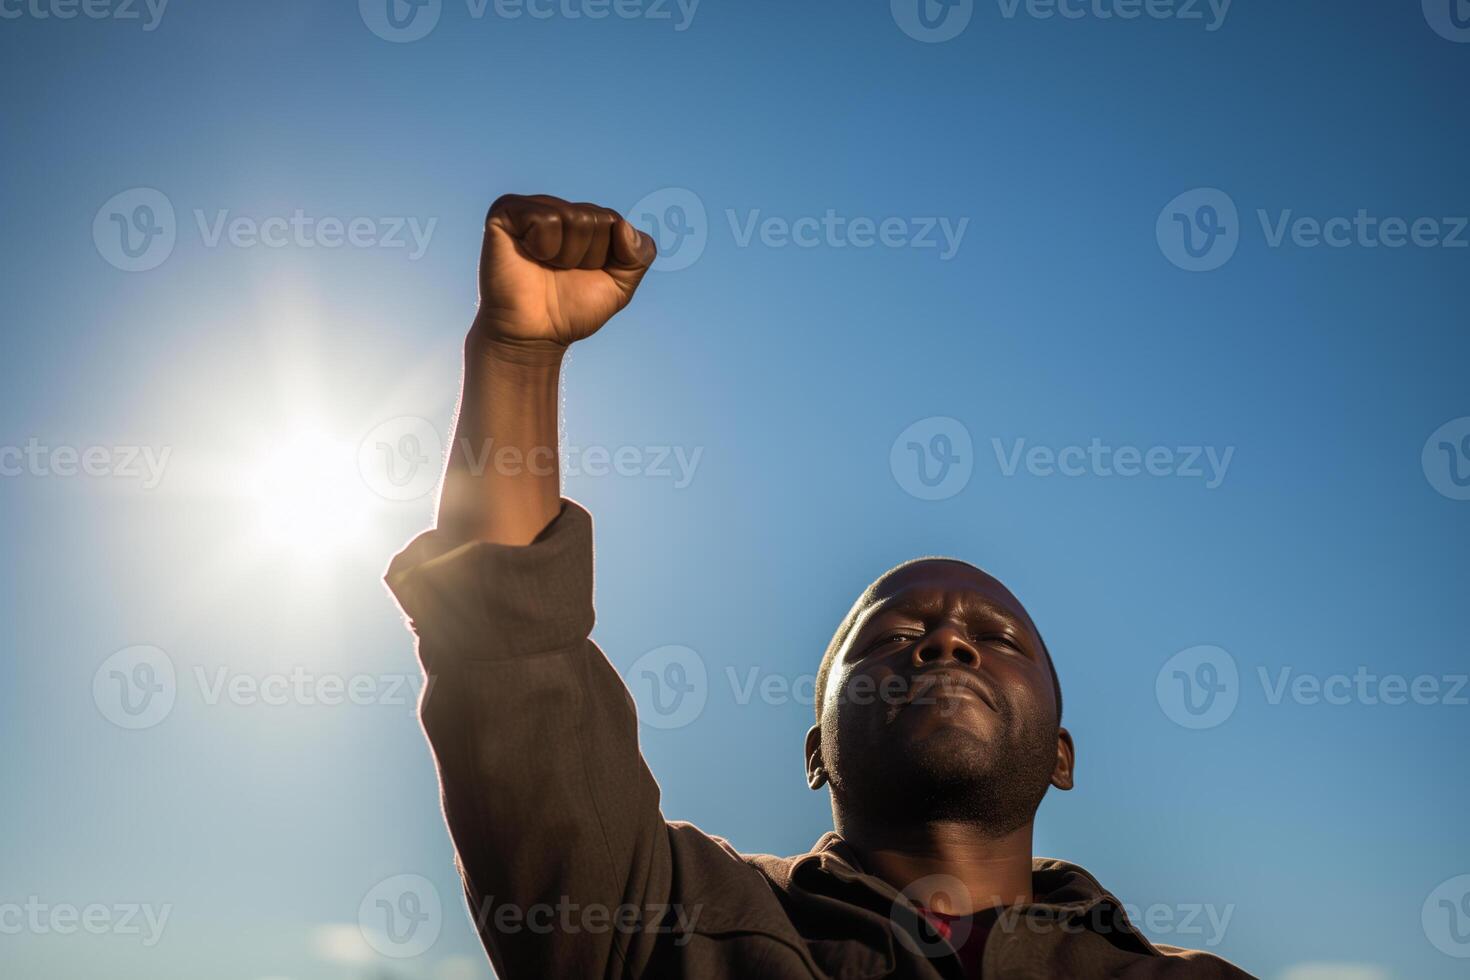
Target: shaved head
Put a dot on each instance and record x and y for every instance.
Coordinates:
(937, 701)
(891, 580)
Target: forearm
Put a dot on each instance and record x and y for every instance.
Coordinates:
(503, 481)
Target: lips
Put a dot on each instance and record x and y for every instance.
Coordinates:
(937, 683)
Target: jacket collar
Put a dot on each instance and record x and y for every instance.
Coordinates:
(1062, 890)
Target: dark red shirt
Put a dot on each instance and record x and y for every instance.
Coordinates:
(966, 933)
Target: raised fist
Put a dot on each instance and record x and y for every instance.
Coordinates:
(552, 273)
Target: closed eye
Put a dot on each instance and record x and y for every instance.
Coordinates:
(898, 636)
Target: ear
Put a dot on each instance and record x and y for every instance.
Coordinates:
(816, 772)
(1061, 774)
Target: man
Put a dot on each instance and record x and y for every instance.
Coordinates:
(938, 719)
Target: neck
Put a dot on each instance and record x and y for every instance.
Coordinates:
(924, 860)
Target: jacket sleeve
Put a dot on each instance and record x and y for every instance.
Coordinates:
(555, 817)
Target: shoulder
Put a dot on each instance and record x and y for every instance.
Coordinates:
(1197, 963)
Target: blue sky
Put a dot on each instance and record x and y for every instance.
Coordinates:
(1159, 318)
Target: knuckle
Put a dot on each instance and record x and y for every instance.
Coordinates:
(502, 204)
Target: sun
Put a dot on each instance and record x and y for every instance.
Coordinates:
(309, 495)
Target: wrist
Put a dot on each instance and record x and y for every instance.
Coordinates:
(530, 358)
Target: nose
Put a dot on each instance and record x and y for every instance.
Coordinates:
(945, 645)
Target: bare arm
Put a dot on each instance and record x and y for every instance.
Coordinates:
(551, 273)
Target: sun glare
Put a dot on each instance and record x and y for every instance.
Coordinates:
(311, 498)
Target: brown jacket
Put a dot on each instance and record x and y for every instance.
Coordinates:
(571, 870)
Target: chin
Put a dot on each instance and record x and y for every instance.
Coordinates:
(950, 752)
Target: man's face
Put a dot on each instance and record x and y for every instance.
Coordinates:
(941, 704)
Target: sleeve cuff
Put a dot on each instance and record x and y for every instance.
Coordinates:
(483, 601)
